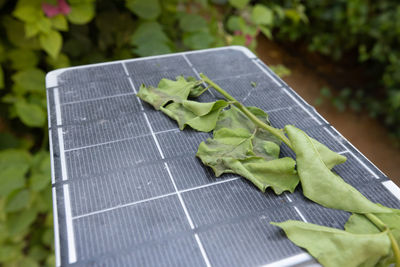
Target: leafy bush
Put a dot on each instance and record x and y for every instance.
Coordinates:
(366, 32)
(39, 35)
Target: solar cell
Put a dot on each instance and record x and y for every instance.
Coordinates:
(128, 189)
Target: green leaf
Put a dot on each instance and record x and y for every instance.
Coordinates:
(262, 15)
(200, 116)
(25, 59)
(333, 247)
(81, 13)
(238, 146)
(30, 114)
(51, 42)
(39, 181)
(20, 221)
(59, 22)
(14, 164)
(62, 61)
(30, 79)
(150, 39)
(27, 12)
(320, 184)
(192, 22)
(16, 34)
(239, 4)
(198, 40)
(17, 200)
(145, 9)
(8, 252)
(167, 90)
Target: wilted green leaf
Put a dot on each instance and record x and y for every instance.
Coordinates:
(51, 42)
(167, 90)
(30, 114)
(333, 247)
(262, 15)
(320, 184)
(17, 200)
(239, 3)
(238, 146)
(192, 22)
(145, 9)
(200, 116)
(81, 13)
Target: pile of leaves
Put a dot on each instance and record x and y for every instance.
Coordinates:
(246, 144)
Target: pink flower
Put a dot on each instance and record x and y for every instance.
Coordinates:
(61, 8)
(249, 38)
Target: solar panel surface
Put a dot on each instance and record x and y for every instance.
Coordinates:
(128, 190)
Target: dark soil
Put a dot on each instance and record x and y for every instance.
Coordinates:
(309, 73)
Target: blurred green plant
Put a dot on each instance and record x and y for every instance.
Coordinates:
(41, 35)
(365, 33)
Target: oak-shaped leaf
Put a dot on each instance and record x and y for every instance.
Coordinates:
(167, 91)
(333, 247)
(320, 184)
(200, 116)
(238, 146)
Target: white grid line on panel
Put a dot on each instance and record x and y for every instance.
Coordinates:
(301, 105)
(294, 261)
(123, 206)
(267, 73)
(70, 226)
(64, 173)
(301, 214)
(359, 160)
(134, 89)
(154, 136)
(119, 140)
(333, 128)
(197, 73)
(56, 226)
(202, 250)
(125, 68)
(58, 107)
(288, 198)
(97, 98)
(154, 198)
(48, 109)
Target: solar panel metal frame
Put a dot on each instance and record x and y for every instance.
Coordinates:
(202, 233)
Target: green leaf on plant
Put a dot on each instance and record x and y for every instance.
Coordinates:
(145, 9)
(320, 184)
(25, 59)
(262, 15)
(333, 247)
(59, 22)
(150, 39)
(81, 13)
(20, 221)
(30, 114)
(198, 40)
(239, 4)
(30, 79)
(51, 42)
(192, 22)
(17, 200)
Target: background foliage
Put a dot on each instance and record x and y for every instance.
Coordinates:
(41, 35)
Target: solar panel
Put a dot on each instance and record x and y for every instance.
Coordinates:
(128, 189)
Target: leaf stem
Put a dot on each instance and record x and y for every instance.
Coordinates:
(276, 132)
(382, 226)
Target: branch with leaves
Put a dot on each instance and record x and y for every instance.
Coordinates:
(244, 142)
